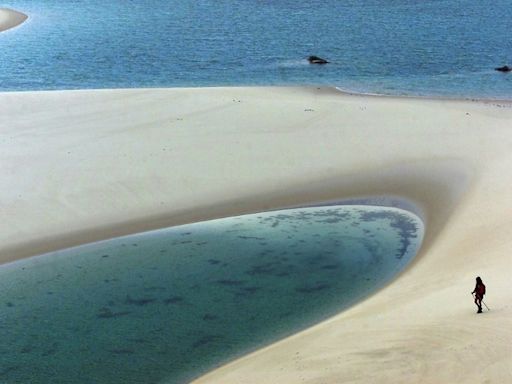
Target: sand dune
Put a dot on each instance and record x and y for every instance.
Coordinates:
(10, 18)
(80, 166)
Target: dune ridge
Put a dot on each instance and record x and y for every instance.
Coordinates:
(82, 166)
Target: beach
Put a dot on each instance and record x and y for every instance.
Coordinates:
(10, 19)
(83, 166)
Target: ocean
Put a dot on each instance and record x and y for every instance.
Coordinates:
(169, 305)
(416, 47)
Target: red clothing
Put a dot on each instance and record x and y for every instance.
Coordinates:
(480, 290)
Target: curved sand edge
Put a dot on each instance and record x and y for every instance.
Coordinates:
(99, 116)
(88, 165)
(10, 19)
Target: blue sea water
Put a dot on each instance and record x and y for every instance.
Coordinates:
(404, 47)
(168, 305)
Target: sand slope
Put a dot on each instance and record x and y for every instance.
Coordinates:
(87, 165)
(10, 18)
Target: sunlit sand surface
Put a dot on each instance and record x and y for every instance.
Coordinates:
(90, 165)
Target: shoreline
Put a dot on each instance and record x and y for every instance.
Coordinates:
(335, 89)
(85, 166)
(10, 18)
(425, 98)
(392, 202)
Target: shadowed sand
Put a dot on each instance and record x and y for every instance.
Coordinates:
(10, 19)
(80, 166)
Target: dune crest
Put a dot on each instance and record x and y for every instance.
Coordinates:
(81, 166)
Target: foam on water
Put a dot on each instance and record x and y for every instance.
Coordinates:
(171, 304)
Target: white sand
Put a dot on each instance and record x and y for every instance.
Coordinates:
(87, 165)
(10, 18)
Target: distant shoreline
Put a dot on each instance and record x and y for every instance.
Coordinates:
(10, 19)
(333, 89)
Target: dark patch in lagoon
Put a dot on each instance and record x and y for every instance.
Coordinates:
(230, 283)
(262, 268)
(286, 314)
(247, 292)
(152, 289)
(106, 313)
(140, 302)
(313, 289)
(405, 225)
(27, 349)
(124, 351)
(51, 351)
(263, 305)
(173, 300)
(251, 238)
(251, 289)
(316, 259)
(7, 370)
(330, 266)
(331, 221)
(206, 340)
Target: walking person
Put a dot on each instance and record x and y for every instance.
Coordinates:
(479, 293)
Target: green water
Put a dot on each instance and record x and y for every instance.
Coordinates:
(168, 305)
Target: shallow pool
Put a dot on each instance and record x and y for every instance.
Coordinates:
(168, 305)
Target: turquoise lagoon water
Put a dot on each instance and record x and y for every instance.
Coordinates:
(413, 47)
(168, 305)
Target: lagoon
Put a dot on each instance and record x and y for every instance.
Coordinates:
(168, 305)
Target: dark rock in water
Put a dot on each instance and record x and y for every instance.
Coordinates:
(316, 60)
(505, 68)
